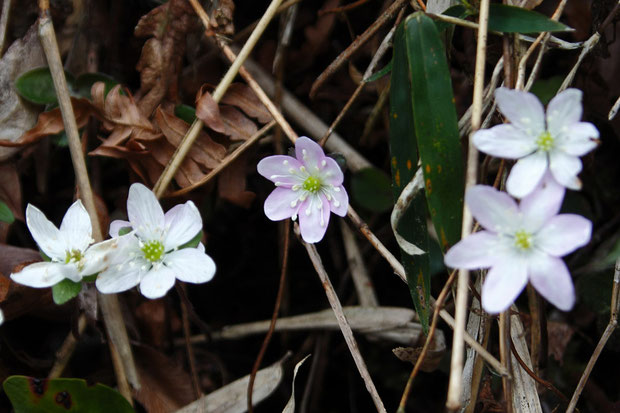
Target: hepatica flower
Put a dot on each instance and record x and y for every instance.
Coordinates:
(540, 141)
(309, 186)
(149, 255)
(67, 248)
(521, 242)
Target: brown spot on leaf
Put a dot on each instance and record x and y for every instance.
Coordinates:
(429, 188)
(439, 169)
(64, 399)
(428, 169)
(409, 164)
(37, 386)
(397, 178)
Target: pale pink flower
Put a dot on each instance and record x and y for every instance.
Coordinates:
(309, 186)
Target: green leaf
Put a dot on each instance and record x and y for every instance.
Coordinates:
(30, 395)
(370, 188)
(185, 112)
(404, 158)
(436, 126)
(124, 231)
(37, 86)
(192, 243)
(378, 75)
(458, 11)
(546, 89)
(65, 290)
(5, 213)
(512, 19)
(84, 83)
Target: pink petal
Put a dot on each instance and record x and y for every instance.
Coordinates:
(76, 228)
(563, 234)
(313, 218)
(522, 109)
(277, 168)
(282, 203)
(45, 234)
(40, 274)
(494, 210)
(526, 174)
(563, 111)
(190, 265)
(551, 279)
(505, 141)
(542, 204)
(309, 153)
(157, 282)
(474, 252)
(503, 284)
(565, 168)
(331, 172)
(579, 139)
(184, 224)
(340, 201)
(144, 212)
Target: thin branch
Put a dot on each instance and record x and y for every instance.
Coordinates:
(453, 401)
(4, 23)
(64, 353)
(611, 326)
(504, 351)
(345, 328)
(342, 9)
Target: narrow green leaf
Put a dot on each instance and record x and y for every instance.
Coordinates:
(458, 11)
(192, 243)
(378, 75)
(185, 112)
(512, 19)
(370, 188)
(37, 86)
(84, 83)
(404, 158)
(5, 213)
(436, 127)
(30, 395)
(65, 291)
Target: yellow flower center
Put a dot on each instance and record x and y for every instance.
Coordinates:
(312, 184)
(523, 240)
(545, 141)
(73, 256)
(153, 250)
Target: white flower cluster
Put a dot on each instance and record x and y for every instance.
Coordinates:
(151, 252)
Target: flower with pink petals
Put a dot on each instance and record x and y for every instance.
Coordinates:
(309, 186)
(553, 140)
(521, 242)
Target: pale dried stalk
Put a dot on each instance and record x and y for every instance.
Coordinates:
(66, 350)
(611, 326)
(344, 325)
(119, 341)
(190, 137)
(453, 401)
(504, 351)
(363, 284)
(4, 23)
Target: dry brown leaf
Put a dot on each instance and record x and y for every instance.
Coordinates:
(189, 172)
(208, 111)
(559, 335)
(11, 189)
(243, 97)
(16, 115)
(222, 17)
(231, 183)
(239, 127)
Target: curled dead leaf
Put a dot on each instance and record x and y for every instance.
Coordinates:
(208, 111)
(239, 127)
(243, 97)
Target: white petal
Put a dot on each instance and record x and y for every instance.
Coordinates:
(579, 139)
(190, 265)
(117, 225)
(76, 228)
(551, 279)
(309, 153)
(505, 141)
(522, 109)
(563, 111)
(282, 203)
(157, 282)
(46, 235)
(479, 250)
(120, 277)
(339, 203)
(277, 168)
(313, 218)
(563, 234)
(185, 223)
(503, 284)
(494, 210)
(526, 174)
(542, 203)
(40, 274)
(97, 258)
(144, 212)
(565, 168)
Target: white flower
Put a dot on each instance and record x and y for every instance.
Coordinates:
(520, 243)
(66, 247)
(149, 255)
(554, 141)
